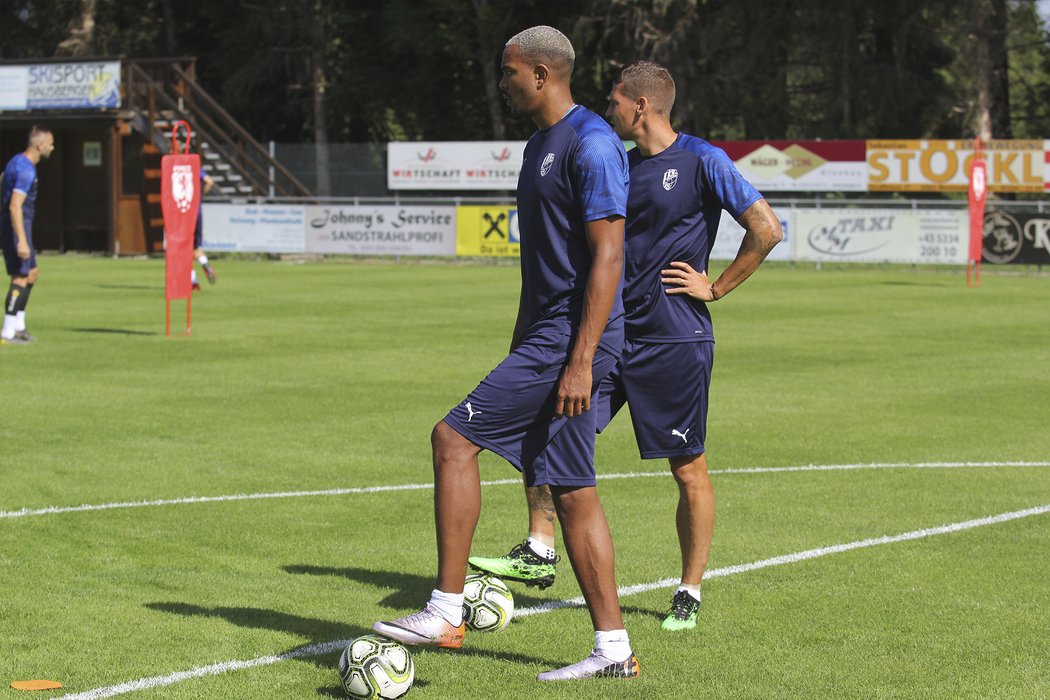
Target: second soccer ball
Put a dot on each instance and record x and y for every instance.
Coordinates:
(488, 604)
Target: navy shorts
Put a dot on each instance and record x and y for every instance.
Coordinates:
(666, 386)
(511, 413)
(16, 266)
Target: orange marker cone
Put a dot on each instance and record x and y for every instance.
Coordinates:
(35, 685)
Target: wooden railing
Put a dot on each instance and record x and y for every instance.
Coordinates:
(154, 87)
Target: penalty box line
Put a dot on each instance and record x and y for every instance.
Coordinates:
(58, 510)
(338, 645)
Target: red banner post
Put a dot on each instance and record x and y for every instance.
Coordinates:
(180, 199)
(978, 194)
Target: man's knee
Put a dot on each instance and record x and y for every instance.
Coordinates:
(573, 500)
(33, 276)
(449, 445)
(689, 472)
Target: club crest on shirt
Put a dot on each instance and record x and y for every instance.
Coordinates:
(670, 178)
(548, 161)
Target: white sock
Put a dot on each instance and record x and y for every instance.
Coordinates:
(448, 606)
(612, 644)
(203, 259)
(693, 589)
(9, 327)
(539, 547)
(193, 277)
(20, 321)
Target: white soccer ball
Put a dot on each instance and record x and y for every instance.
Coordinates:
(374, 667)
(488, 604)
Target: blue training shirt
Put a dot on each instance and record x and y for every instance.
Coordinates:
(572, 173)
(676, 200)
(20, 176)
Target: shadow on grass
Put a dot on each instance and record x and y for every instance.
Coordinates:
(411, 590)
(116, 331)
(324, 632)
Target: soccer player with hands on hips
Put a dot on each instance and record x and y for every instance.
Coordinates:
(679, 186)
(17, 208)
(537, 407)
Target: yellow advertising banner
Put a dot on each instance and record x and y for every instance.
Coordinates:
(487, 230)
(944, 166)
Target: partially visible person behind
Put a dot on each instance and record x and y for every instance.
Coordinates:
(198, 236)
(17, 208)
(679, 186)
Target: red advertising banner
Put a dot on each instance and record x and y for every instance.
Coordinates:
(978, 193)
(180, 199)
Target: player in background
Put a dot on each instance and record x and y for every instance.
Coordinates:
(679, 186)
(17, 208)
(535, 408)
(198, 236)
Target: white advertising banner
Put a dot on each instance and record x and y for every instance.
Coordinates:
(14, 88)
(381, 230)
(260, 228)
(730, 234)
(84, 85)
(916, 236)
(453, 165)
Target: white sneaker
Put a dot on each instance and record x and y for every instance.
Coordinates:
(423, 627)
(594, 666)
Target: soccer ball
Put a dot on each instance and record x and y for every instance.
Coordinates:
(374, 667)
(487, 603)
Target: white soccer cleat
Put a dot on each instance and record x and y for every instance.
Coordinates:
(424, 627)
(594, 666)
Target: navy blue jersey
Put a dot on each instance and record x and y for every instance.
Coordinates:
(572, 173)
(19, 175)
(677, 197)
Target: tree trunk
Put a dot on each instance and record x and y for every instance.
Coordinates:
(486, 55)
(992, 117)
(324, 178)
(172, 44)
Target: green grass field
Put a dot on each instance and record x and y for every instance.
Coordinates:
(329, 375)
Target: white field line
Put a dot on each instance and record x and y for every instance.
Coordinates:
(625, 591)
(57, 510)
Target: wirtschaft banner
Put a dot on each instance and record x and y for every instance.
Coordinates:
(82, 85)
(454, 165)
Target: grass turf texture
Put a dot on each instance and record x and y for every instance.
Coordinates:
(328, 375)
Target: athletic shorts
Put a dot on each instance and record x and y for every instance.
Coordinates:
(198, 230)
(666, 386)
(16, 266)
(511, 413)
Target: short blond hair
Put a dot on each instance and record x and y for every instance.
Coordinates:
(649, 80)
(546, 45)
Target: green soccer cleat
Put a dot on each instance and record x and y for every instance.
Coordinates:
(521, 565)
(684, 611)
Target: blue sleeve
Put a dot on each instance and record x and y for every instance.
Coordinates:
(24, 180)
(726, 184)
(602, 178)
